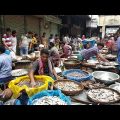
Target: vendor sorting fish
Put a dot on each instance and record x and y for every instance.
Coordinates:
(46, 54)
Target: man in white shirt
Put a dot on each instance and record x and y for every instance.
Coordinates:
(14, 41)
(79, 39)
(24, 43)
(66, 39)
(51, 39)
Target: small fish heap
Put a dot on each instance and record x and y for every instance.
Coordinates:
(103, 95)
(96, 85)
(10, 102)
(19, 72)
(76, 74)
(91, 84)
(67, 86)
(49, 100)
(87, 83)
(110, 56)
(115, 86)
(27, 83)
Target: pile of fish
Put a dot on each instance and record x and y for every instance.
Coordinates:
(27, 83)
(49, 100)
(110, 56)
(108, 63)
(92, 84)
(10, 102)
(104, 66)
(19, 72)
(92, 61)
(86, 83)
(103, 95)
(96, 85)
(67, 86)
(114, 63)
(24, 61)
(115, 86)
(76, 74)
(105, 63)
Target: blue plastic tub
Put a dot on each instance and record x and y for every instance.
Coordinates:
(78, 79)
(57, 93)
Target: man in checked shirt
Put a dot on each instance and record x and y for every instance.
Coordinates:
(94, 51)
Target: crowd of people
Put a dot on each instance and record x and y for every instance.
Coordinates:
(53, 49)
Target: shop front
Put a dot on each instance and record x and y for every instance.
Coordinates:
(110, 30)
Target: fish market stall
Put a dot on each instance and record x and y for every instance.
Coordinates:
(76, 86)
(97, 96)
(94, 65)
(84, 98)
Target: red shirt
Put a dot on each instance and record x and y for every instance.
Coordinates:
(83, 37)
(109, 43)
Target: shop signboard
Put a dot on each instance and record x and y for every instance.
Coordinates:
(111, 30)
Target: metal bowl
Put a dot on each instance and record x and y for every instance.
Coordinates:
(76, 52)
(19, 72)
(73, 56)
(105, 77)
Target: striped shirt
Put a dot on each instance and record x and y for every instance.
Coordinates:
(87, 53)
(118, 47)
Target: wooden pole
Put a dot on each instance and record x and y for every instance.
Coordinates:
(91, 26)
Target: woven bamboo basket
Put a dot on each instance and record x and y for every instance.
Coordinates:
(72, 64)
(70, 93)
